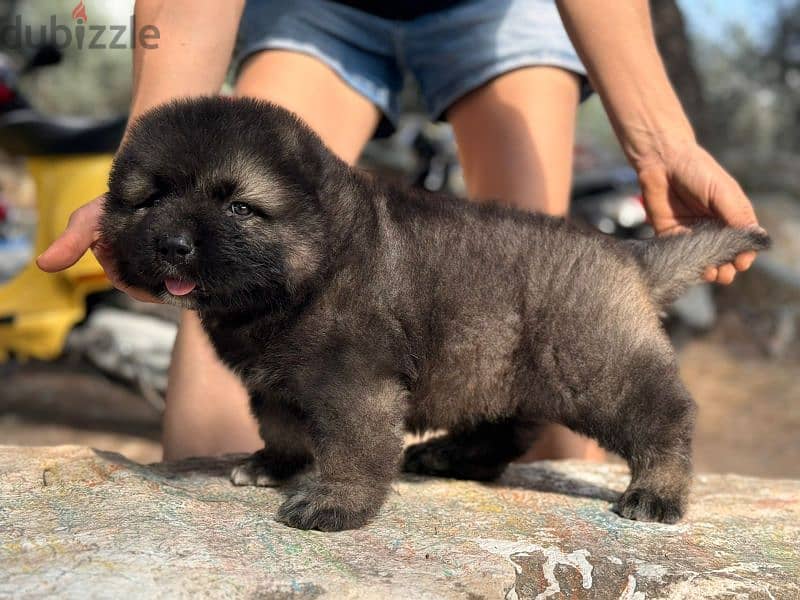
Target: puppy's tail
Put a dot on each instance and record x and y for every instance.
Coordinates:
(672, 263)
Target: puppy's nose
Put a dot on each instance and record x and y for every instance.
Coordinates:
(175, 247)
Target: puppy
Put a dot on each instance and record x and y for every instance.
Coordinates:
(353, 309)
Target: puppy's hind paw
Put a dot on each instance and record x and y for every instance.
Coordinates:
(266, 469)
(644, 505)
(249, 473)
(440, 457)
(329, 506)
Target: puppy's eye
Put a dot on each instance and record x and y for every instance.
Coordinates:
(152, 200)
(154, 190)
(240, 209)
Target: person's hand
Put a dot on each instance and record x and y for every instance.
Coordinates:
(82, 234)
(685, 184)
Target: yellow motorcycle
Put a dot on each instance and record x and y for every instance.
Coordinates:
(68, 159)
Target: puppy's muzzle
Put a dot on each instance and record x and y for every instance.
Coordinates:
(176, 249)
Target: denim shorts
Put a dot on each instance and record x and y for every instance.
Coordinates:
(449, 53)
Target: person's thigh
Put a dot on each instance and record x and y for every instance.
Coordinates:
(341, 116)
(515, 138)
(207, 408)
(516, 135)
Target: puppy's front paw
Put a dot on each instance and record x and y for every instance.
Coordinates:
(330, 506)
(644, 505)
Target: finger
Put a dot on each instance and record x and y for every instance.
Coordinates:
(733, 207)
(654, 188)
(744, 260)
(103, 256)
(659, 203)
(138, 294)
(70, 246)
(710, 274)
(726, 274)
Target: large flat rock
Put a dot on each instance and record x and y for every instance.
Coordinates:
(80, 523)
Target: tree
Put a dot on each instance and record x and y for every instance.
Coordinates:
(782, 62)
(676, 50)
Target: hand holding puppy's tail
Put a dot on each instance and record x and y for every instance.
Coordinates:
(672, 263)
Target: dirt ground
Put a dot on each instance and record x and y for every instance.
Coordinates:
(749, 419)
(16, 432)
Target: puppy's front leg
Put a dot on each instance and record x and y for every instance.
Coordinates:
(356, 432)
(286, 451)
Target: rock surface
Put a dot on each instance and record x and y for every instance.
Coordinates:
(79, 523)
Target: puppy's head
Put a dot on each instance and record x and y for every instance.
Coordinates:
(213, 203)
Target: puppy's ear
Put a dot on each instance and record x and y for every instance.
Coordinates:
(134, 186)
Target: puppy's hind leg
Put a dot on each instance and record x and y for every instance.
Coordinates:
(480, 453)
(652, 429)
(286, 449)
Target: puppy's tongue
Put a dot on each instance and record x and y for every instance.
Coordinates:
(176, 287)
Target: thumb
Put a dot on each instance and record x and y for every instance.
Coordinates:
(657, 201)
(733, 208)
(72, 244)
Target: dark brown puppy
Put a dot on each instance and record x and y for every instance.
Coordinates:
(353, 308)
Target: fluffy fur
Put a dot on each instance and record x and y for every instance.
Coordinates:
(353, 309)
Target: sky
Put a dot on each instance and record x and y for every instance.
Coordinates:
(712, 18)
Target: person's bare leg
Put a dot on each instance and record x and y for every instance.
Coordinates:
(515, 138)
(207, 409)
(342, 117)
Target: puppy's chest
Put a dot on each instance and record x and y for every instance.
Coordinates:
(245, 349)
